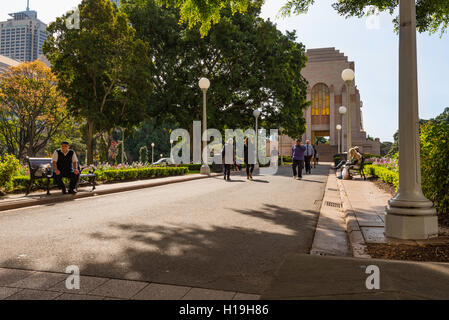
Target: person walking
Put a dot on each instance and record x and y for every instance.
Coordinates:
(315, 156)
(65, 165)
(227, 164)
(308, 154)
(248, 149)
(298, 159)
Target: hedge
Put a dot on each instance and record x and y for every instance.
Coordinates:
(387, 176)
(21, 182)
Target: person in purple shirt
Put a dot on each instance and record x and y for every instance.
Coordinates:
(298, 159)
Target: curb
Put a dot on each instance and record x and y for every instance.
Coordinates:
(330, 239)
(356, 239)
(17, 204)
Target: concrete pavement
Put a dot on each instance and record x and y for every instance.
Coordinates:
(212, 234)
(315, 277)
(14, 201)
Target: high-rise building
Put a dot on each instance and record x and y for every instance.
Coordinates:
(22, 36)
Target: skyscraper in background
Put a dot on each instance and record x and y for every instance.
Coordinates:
(22, 36)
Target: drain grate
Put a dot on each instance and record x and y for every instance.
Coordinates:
(333, 204)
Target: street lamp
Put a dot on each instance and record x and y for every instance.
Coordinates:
(204, 84)
(152, 153)
(339, 131)
(256, 114)
(171, 149)
(342, 110)
(409, 214)
(281, 130)
(348, 76)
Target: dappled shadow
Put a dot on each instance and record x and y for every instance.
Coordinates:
(224, 257)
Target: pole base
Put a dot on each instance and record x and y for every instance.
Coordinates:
(404, 223)
(205, 170)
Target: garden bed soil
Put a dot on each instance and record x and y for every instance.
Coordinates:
(434, 250)
(430, 251)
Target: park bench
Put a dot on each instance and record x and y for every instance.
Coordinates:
(42, 168)
(359, 168)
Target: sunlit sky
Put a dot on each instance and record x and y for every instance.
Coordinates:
(372, 45)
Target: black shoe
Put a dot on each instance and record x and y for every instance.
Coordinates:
(72, 191)
(225, 177)
(228, 179)
(64, 190)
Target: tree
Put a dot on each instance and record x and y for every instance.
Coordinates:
(102, 68)
(248, 61)
(32, 110)
(432, 15)
(385, 147)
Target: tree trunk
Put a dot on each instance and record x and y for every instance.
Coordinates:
(90, 134)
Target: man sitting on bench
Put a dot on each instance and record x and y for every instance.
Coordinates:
(65, 165)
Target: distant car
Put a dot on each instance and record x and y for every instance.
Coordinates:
(163, 162)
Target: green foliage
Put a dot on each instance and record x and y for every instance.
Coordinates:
(143, 154)
(101, 67)
(142, 173)
(431, 15)
(385, 148)
(435, 162)
(191, 167)
(248, 61)
(387, 176)
(8, 168)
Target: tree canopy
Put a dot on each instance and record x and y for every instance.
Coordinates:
(102, 68)
(249, 62)
(32, 110)
(432, 15)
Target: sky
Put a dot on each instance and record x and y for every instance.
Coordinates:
(371, 44)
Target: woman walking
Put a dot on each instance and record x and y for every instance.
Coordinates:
(248, 147)
(315, 156)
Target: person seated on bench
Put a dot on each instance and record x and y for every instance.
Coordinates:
(65, 165)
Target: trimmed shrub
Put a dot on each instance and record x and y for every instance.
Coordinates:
(387, 176)
(8, 169)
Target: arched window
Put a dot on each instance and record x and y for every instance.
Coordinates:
(320, 104)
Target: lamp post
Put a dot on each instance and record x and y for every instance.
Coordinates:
(409, 214)
(204, 84)
(339, 131)
(281, 130)
(171, 149)
(152, 153)
(342, 110)
(256, 114)
(348, 76)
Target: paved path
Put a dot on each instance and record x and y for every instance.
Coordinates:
(314, 277)
(228, 236)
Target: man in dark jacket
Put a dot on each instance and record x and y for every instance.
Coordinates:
(298, 158)
(65, 165)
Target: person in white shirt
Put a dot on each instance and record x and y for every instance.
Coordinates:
(308, 154)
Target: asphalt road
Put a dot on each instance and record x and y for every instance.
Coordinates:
(206, 233)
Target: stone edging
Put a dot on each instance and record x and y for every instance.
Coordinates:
(356, 239)
(16, 204)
